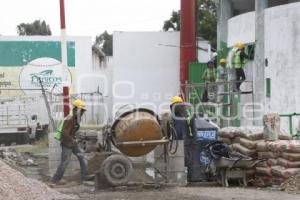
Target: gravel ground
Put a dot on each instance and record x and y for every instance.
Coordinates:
(186, 193)
(15, 186)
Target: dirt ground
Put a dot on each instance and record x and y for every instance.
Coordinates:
(168, 192)
(172, 193)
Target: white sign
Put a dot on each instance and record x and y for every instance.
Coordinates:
(48, 70)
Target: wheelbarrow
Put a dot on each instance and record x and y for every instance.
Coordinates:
(234, 167)
(230, 165)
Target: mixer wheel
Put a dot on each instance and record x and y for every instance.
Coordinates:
(116, 170)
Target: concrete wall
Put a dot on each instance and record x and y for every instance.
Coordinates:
(204, 51)
(103, 79)
(241, 29)
(282, 48)
(282, 45)
(146, 69)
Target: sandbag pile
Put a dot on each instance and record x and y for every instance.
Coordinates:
(242, 139)
(281, 158)
(282, 161)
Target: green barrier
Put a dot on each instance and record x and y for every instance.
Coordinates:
(290, 116)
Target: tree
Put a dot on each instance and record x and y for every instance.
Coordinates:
(206, 24)
(207, 21)
(105, 42)
(173, 22)
(37, 27)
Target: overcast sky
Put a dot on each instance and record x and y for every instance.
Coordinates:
(88, 17)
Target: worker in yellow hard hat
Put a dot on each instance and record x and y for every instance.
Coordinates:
(71, 125)
(221, 77)
(238, 63)
(239, 45)
(176, 99)
(180, 117)
(209, 76)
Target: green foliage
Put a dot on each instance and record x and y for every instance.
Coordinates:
(207, 21)
(37, 27)
(173, 23)
(105, 42)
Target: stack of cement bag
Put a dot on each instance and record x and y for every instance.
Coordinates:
(242, 139)
(282, 161)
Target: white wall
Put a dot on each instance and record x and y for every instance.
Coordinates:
(204, 54)
(282, 49)
(241, 29)
(146, 68)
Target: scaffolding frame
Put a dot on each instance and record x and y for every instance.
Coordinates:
(227, 98)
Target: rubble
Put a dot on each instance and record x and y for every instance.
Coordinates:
(292, 185)
(15, 186)
(16, 158)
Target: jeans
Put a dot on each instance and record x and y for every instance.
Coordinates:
(65, 160)
(240, 76)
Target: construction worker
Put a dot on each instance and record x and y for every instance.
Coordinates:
(209, 76)
(221, 77)
(180, 117)
(238, 63)
(215, 59)
(69, 145)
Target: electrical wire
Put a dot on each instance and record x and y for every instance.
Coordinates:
(173, 138)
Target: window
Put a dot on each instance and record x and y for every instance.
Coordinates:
(268, 87)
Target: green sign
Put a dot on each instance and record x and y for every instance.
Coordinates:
(19, 53)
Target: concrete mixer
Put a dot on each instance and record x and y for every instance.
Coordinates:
(134, 133)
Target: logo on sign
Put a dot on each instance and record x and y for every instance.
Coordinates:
(48, 70)
(47, 77)
(206, 135)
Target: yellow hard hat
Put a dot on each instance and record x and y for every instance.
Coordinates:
(239, 45)
(223, 61)
(79, 104)
(176, 99)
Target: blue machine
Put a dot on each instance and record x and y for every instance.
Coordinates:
(196, 156)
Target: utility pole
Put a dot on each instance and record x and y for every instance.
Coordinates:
(52, 125)
(64, 59)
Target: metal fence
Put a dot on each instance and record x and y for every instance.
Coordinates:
(97, 110)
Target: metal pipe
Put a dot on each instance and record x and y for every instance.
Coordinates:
(64, 61)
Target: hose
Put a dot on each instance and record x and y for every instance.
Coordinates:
(172, 136)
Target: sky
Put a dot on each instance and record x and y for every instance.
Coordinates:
(88, 17)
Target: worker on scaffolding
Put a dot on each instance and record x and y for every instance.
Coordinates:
(180, 117)
(209, 76)
(238, 63)
(71, 125)
(221, 77)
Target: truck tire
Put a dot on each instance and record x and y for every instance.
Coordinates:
(116, 170)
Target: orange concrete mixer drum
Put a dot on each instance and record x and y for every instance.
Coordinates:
(137, 132)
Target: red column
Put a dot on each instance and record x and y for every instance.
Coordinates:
(187, 38)
(66, 101)
(62, 14)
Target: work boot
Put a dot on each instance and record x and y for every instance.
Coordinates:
(57, 183)
(88, 178)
